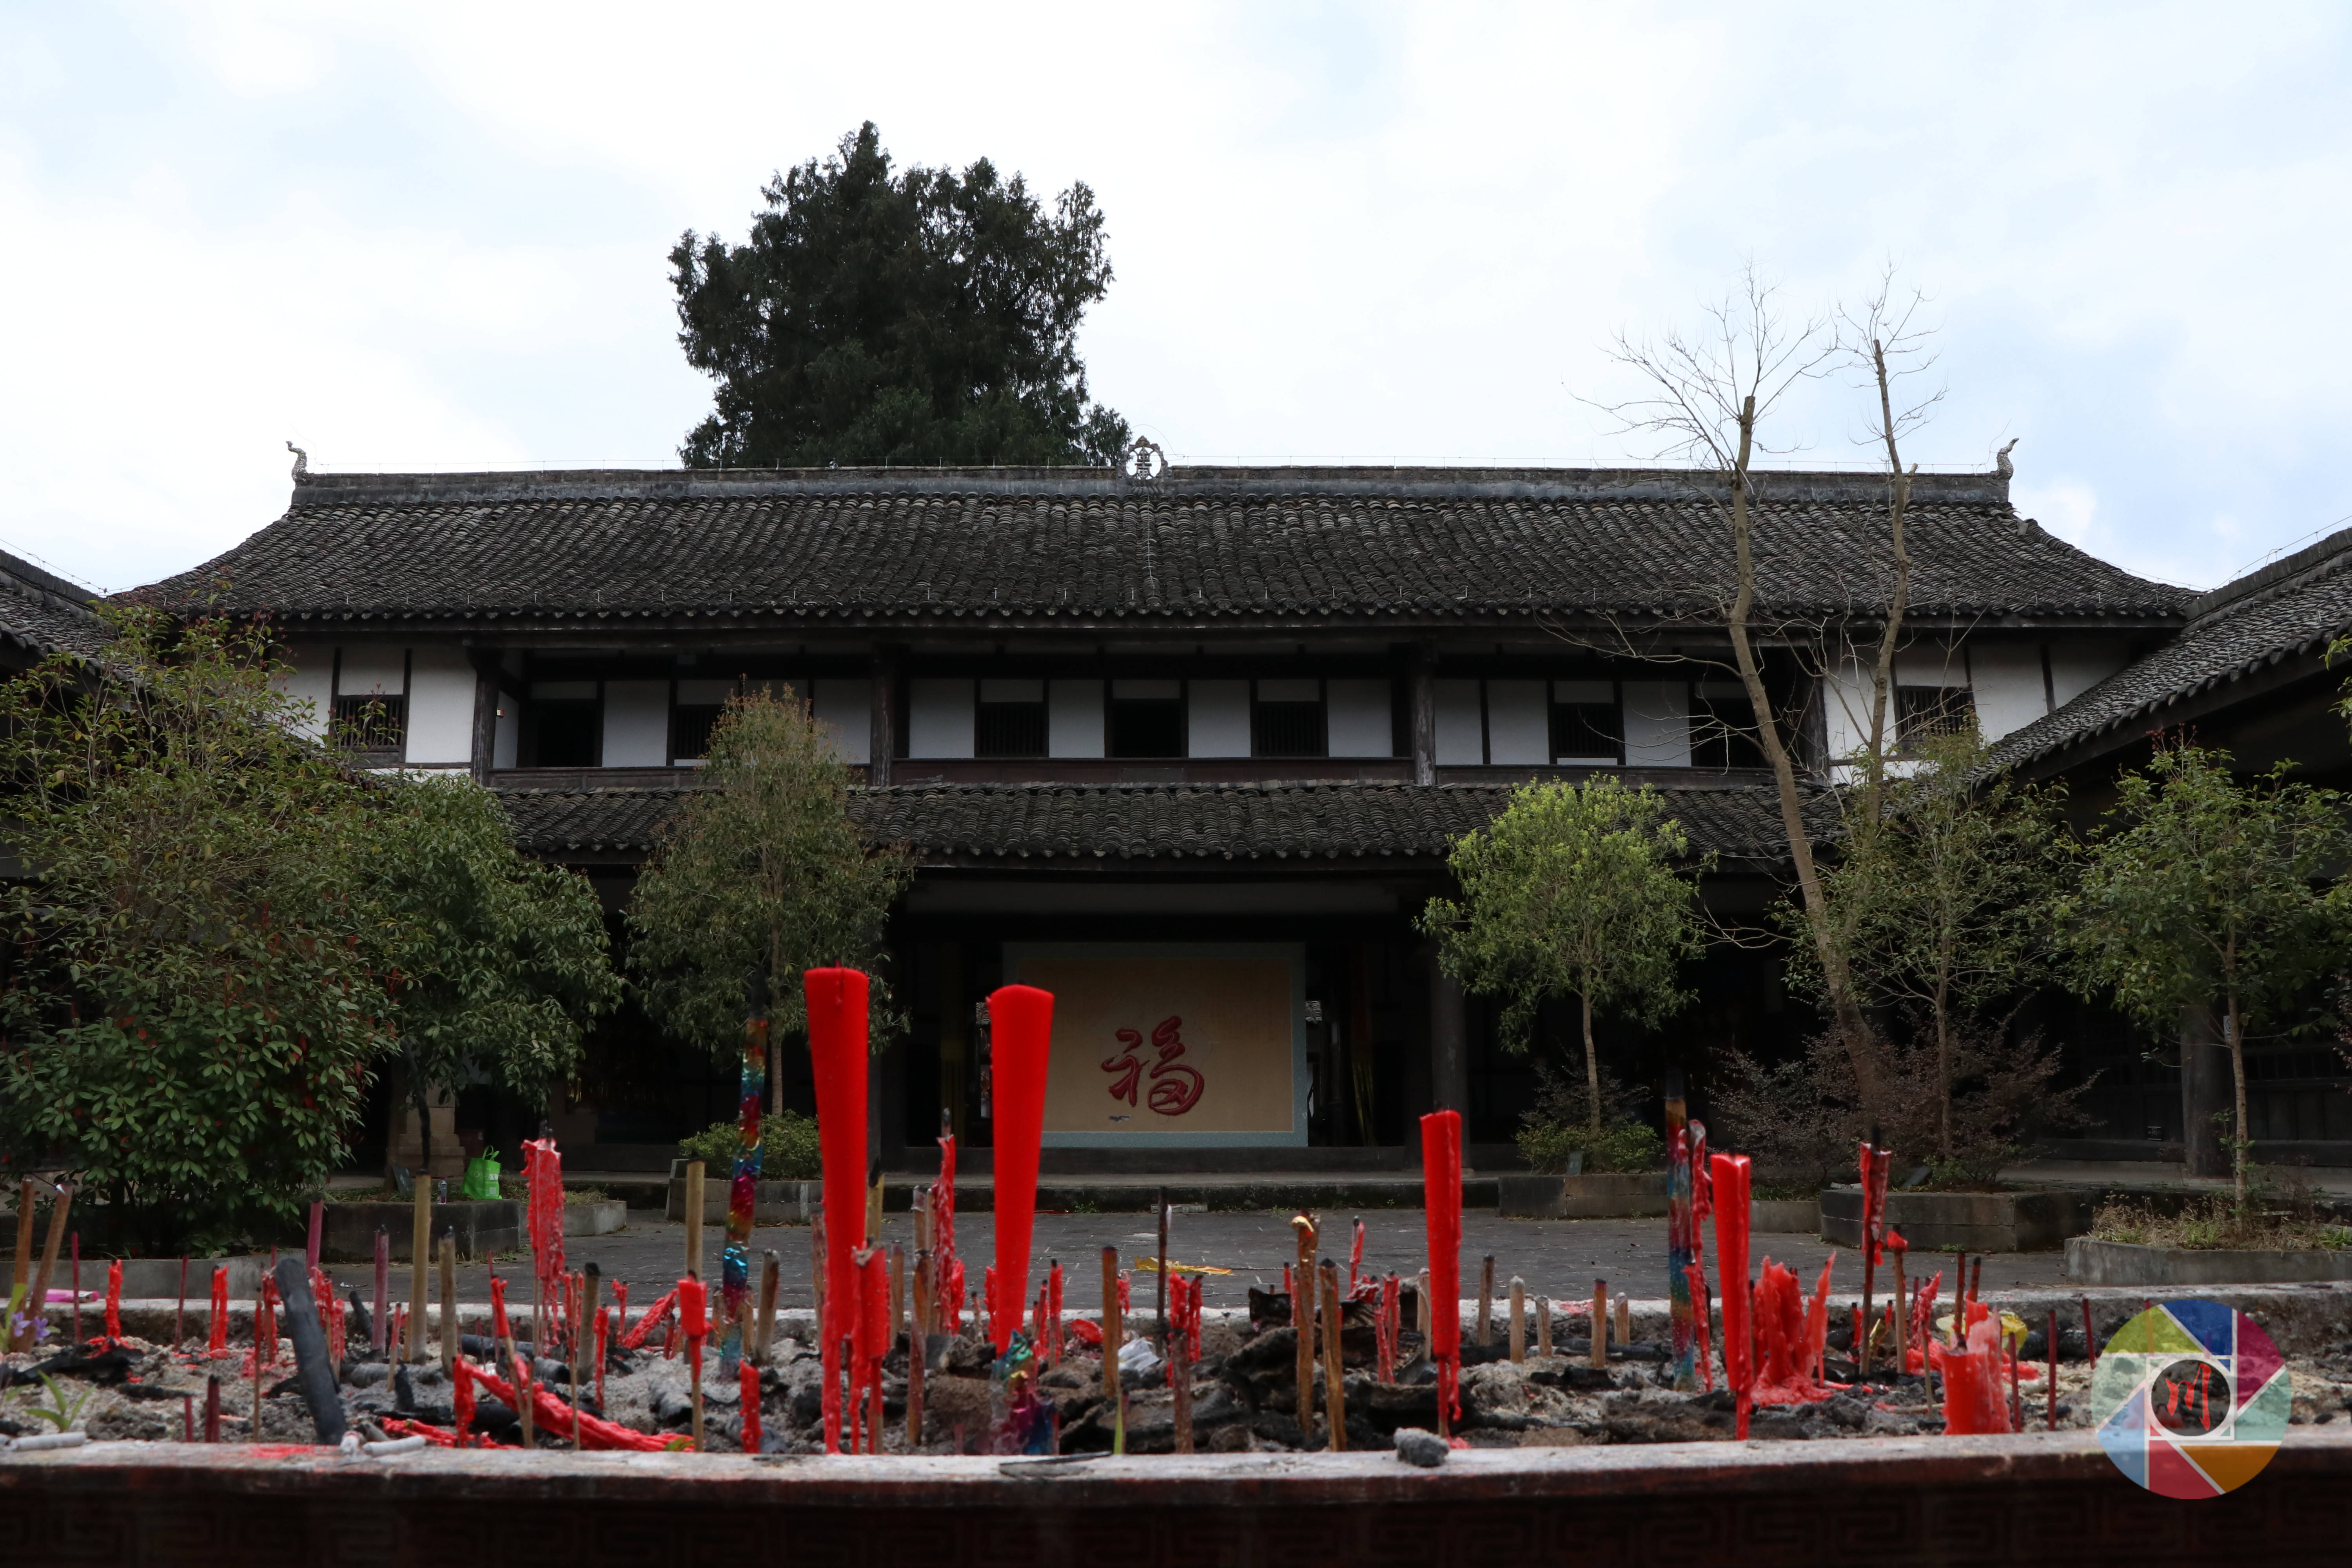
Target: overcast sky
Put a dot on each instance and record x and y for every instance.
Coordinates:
(433, 236)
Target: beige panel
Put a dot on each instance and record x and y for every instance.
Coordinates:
(1234, 1025)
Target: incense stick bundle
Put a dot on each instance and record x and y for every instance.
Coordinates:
(1302, 1318)
(1114, 1335)
(1625, 1320)
(1519, 1319)
(420, 1248)
(449, 1324)
(770, 1276)
(1486, 1300)
(1543, 1325)
(919, 1347)
(1600, 1343)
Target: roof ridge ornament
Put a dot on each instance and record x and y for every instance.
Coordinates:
(301, 459)
(1145, 462)
(2000, 463)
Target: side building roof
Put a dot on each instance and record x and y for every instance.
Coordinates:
(1076, 547)
(1042, 827)
(42, 614)
(2290, 609)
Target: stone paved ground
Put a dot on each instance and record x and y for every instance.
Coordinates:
(1561, 1258)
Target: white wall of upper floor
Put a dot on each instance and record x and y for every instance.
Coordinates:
(1665, 715)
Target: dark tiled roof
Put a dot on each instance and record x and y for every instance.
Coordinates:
(42, 614)
(1057, 546)
(2291, 608)
(1044, 823)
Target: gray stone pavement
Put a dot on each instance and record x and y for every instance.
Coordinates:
(1556, 1257)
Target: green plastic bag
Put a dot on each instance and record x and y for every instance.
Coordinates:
(482, 1178)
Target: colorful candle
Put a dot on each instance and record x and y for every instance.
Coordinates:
(742, 1187)
(1021, 1031)
(1729, 1179)
(1680, 1341)
(837, 1000)
(1440, 1178)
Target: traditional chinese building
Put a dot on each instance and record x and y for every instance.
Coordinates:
(1188, 750)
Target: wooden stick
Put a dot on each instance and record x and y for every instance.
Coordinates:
(1302, 1317)
(1625, 1320)
(1180, 1355)
(1486, 1300)
(1543, 1325)
(1114, 1334)
(212, 1407)
(1335, 1393)
(56, 1234)
(1519, 1319)
(420, 1248)
(180, 1313)
(771, 1269)
(1902, 1319)
(2052, 1424)
(1600, 1323)
(450, 1327)
(1160, 1276)
(816, 1270)
(918, 1350)
(694, 1221)
(898, 1298)
(20, 1270)
(2090, 1345)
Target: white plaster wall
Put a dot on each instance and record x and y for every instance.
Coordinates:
(2007, 680)
(1657, 724)
(1518, 724)
(2078, 664)
(440, 709)
(1931, 667)
(1074, 718)
(939, 718)
(847, 706)
(1358, 719)
(1217, 718)
(636, 723)
(1461, 732)
(373, 670)
(311, 679)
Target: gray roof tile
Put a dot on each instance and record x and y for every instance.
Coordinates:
(1203, 545)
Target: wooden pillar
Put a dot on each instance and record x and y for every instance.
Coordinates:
(1423, 706)
(487, 670)
(882, 740)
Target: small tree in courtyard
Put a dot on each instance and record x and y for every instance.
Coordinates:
(762, 875)
(494, 963)
(1575, 889)
(2203, 895)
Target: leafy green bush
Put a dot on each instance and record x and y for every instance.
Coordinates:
(1560, 1124)
(788, 1148)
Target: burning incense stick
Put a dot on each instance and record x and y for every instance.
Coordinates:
(1335, 1396)
(1302, 1317)
(1519, 1319)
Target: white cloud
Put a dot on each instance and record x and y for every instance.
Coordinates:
(432, 234)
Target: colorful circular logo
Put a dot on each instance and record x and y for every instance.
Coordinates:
(2196, 1397)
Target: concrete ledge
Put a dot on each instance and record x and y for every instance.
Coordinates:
(772, 1203)
(348, 1232)
(2038, 1497)
(1786, 1217)
(1619, 1196)
(2120, 1263)
(594, 1217)
(1974, 1222)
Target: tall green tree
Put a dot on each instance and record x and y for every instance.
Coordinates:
(1946, 891)
(494, 963)
(764, 874)
(1575, 889)
(189, 1011)
(908, 317)
(2203, 893)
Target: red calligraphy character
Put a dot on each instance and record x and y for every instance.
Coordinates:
(1175, 1088)
(1127, 1064)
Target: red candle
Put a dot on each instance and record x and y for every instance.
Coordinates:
(874, 1313)
(691, 1319)
(1730, 1199)
(836, 1028)
(1441, 1180)
(604, 1337)
(113, 1300)
(1054, 1312)
(750, 1374)
(1021, 1031)
(462, 1401)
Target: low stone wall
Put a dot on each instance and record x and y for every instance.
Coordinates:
(772, 1203)
(2093, 1262)
(1973, 1222)
(2036, 1496)
(1619, 1196)
(347, 1234)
